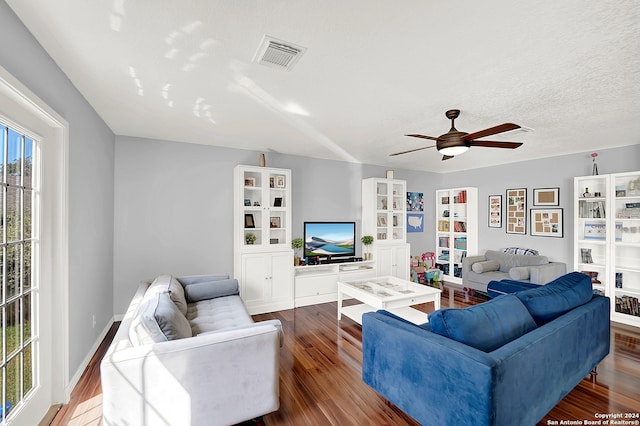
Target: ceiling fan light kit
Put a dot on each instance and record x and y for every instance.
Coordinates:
(455, 142)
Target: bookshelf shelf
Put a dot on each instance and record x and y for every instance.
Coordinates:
(607, 229)
(456, 229)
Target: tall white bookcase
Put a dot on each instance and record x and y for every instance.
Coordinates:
(607, 239)
(384, 217)
(263, 257)
(456, 230)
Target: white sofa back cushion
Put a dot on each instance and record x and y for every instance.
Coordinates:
(508, 261)
(158, 319)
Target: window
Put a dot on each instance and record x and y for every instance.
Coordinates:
(17, 196)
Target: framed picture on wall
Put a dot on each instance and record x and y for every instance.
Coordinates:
(546, 196)
(516, 211)
(547, 223)
(495, 211)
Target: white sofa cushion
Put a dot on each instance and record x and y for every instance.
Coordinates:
(519, 273)
(486, 266)
(217, 314)
(158, 319)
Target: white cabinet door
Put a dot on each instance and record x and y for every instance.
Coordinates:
(281, 276)
(393, 260)
(255, 275)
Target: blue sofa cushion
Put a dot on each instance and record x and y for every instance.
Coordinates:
(486, 326)
(551, 300)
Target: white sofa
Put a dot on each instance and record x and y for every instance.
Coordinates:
(188, 353)
(494, 265)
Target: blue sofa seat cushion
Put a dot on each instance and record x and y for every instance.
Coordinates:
(496, 288)
(549, 301)
(486, 326)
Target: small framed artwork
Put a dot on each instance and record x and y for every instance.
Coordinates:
(277, 202)
(415, 222)
(382, 221)
(274, 222)
(280, 181)
(547, 223)
(389, 174)
(249, 181)
(415, 201)
(247, 202)
(516, 211)
(546, 196)
(495, 211)
(248, 221)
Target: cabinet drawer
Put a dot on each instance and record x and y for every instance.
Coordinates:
(312, 286)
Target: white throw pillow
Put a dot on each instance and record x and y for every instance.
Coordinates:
(486, 266)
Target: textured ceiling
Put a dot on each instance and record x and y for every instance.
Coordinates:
(372, 72)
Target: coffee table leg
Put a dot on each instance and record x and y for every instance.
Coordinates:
(339, 305)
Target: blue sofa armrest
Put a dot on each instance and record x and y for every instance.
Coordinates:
(434, 379)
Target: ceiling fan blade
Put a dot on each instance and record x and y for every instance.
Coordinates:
(495, 144)
(411, 150)
(423, 137)
(446, 157)
(491, 131)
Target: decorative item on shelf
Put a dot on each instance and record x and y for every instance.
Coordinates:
(594, 172)
(367, 240)
(430, 257)
(586, 193)
(585, 255)
(262, 162)
(389, 174)
(250, 238)
(297, 244)
(593, 275)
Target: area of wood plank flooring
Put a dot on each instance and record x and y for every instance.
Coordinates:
(320, 376)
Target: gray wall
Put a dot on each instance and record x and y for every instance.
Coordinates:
(173, 209)
(91, 165)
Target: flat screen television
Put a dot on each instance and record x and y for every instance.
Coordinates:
(329, 239)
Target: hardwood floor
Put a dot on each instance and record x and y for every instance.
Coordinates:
(320, 381)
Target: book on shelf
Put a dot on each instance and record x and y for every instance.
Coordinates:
(459, 226)
(627, 305)
(443, 241)
(443, 225)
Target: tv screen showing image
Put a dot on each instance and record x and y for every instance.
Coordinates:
(329, 239)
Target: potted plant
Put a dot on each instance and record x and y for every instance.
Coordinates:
(367, 240)
(250, 238)
(297, 244)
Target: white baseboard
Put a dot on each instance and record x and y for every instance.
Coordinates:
(83, 366)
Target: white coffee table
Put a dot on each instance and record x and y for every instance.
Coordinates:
(389, 293)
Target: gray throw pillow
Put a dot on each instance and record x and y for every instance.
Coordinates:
(169, 283)
(157, 319)
(519, 273)
(211, 290)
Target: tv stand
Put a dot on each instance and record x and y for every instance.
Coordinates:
(319, 283)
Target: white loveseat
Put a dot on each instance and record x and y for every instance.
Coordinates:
(188, 353)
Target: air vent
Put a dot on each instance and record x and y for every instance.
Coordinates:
(517, 134)
(278, 53)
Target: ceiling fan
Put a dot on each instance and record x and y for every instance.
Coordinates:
(455, 143)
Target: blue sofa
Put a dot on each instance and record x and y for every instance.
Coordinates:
(507, 361)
